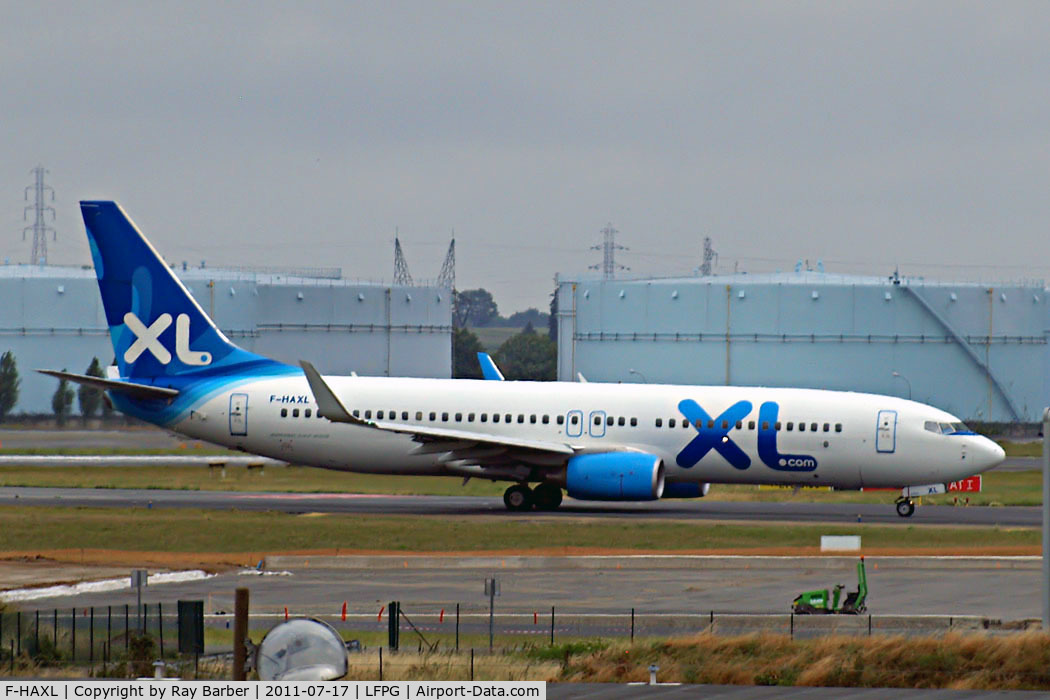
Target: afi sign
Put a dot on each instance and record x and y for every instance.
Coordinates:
(971, 485)
(148, 338)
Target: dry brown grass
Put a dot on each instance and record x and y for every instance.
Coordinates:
(1020, 661)
(954, 661)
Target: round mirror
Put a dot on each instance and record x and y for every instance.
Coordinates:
(302, 650)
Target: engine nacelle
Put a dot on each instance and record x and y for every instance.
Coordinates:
(615, 476)
(685, 489)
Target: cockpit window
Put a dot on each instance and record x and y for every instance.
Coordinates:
(946, 428)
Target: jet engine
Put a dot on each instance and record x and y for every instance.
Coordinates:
(615, 476)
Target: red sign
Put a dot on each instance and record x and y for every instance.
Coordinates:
(971, 485)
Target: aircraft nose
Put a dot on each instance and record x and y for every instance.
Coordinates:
(987, 454)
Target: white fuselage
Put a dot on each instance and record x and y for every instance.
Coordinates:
(859, 439)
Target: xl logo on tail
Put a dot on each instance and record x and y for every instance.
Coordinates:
(148, 338)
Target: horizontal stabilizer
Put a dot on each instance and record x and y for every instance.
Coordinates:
(135, 391)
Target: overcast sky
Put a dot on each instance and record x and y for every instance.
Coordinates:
(262, 133)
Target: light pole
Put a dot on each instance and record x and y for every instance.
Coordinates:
(634, 371)
(901, 376)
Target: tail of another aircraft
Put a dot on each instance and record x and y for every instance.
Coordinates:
(157, 328)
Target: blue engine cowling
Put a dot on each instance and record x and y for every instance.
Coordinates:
(615, 476)
(685, 489)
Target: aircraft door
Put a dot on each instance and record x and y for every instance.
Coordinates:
(238, 414)
(886, 432)
(596, 424)
(574, 423)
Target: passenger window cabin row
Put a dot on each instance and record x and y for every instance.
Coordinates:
(445, 417)
(574, 419)
(751, 425)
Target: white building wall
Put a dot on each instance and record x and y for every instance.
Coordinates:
(52, 318)
(979, 351)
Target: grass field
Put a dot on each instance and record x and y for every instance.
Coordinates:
(192, 448)
(1005, 488)
(954, 661)
(1032, 448)
(27, 529)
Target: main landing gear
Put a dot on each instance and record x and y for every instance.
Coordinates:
(520, 497)
(905, 507)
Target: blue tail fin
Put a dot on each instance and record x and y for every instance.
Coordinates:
(157, 328)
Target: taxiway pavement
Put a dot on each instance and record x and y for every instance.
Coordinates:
(701, 509)
(1005, 588)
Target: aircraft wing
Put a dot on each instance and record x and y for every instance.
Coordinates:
(462, 445)
(136, 391)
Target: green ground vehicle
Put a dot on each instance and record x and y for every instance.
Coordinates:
(820, 603)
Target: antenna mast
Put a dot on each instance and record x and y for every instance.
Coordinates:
(401, 274)
(609, 248)
(40, 209)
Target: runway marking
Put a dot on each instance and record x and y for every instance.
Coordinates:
(103, 586)
(260, 572)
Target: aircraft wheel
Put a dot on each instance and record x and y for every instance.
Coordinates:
(905, 508)
(518, 497)
(547, 497)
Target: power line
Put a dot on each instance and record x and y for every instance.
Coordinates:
(401, 274)
(40, 209)
(447, 276)
(609, 247)
(709, 257)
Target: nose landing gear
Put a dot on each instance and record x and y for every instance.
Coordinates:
(905, 507)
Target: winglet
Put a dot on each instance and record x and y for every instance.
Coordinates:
(489, 370)
(327, 402)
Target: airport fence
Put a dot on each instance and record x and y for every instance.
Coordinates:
(104, 636)
(457, 626)
(97, 635)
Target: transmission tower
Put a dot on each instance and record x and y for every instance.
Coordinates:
(709, 257)
(401, 273)
(608, 247)
(447, 278)
(39, 227)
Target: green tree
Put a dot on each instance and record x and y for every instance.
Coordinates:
(528, 355)
(520, 319)
(62, 400)
(9, 383)
(473, 307)
(465, 349)
(107, 405)
(89, 398)
(552, 319)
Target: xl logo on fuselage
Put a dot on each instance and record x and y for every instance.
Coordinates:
(713, 434)
(148, 338)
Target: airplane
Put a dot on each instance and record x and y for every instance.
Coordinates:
(594, 441)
